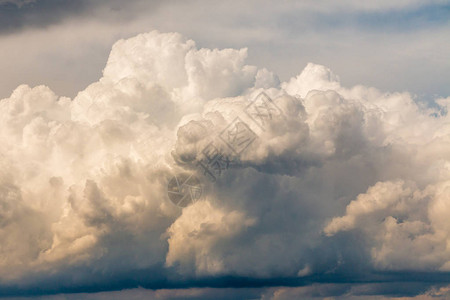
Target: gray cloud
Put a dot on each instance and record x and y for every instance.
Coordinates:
(17, 15)
(35, 14)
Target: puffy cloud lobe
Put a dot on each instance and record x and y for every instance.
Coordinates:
(83, 181)
(200, 228)
(405, 225)
(313, 77)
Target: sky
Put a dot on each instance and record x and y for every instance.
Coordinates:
(400, 46)
(224, 150)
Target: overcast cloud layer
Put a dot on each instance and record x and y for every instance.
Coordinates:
(343, 185)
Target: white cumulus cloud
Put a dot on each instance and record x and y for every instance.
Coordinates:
(83, 181)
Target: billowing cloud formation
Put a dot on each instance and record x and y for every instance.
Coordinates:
(338, 181)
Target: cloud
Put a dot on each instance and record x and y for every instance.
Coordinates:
(345, 36)
(406, 225)
(18, 3)
(197, 230)
(328, 184)
(383, 291)
(17, 15)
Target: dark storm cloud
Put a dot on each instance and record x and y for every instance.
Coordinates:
(75, 281)
(14, 17)
(18, 15)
